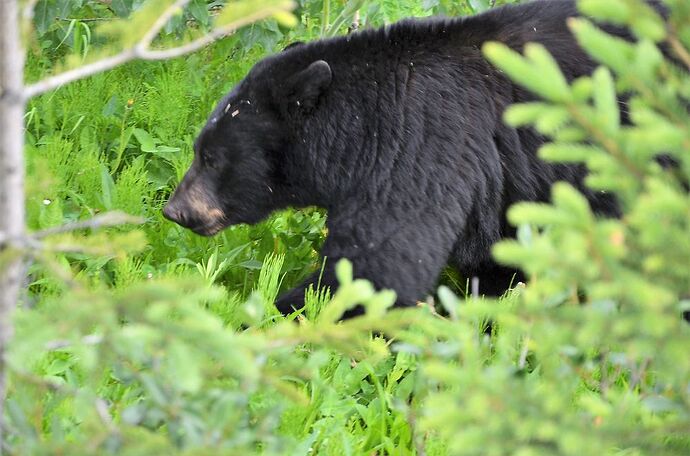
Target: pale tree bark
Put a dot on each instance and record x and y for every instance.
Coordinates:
(12, 223)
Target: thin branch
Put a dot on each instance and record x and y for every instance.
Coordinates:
(53, 82)
(108, 219)
(163, 19)
(142, 51)
(162, 54)
(103, 412)
(31, 243)
(90, 19)
(91, 339)
(20, 243)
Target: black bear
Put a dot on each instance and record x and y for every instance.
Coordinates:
(397, 132)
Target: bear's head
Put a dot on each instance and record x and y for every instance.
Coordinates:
(237, 174)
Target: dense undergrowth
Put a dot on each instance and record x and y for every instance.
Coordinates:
(152, 340)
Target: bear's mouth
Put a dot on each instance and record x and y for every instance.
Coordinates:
(208, 230)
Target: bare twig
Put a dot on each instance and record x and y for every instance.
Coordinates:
(108, 219)
(163, 19)
(91, 19)
(141, 50)
(20, 243)
(190, 47)
(104, 414)
(81, 72)
(31, 242)
(91, 339)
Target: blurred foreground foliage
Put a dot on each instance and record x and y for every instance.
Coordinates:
(153, 341)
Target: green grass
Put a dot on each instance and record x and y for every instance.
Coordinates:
(85, 157)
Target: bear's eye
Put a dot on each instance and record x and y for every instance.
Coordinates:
(209, 162)
(205, 157)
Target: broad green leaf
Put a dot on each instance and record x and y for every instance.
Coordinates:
(108, 189)
(199, 11)
(148, 144)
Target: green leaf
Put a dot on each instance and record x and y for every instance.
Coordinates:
(286, 19)
(522, 114)
(343, 271)
(552, 84)
(246, 11)
(568, 152)
(122, 8)
(538, 72)
(535, 213)
(127, 32)
(612, 51)
(575, 204)
(616, 11)
(449, 301)
(199, 11)
(108, 190)
(606, 101)
(148, 144)
(45, 13)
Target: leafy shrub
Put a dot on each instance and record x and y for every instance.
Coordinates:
(130, 349)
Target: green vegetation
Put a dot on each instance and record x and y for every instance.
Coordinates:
(151, 340)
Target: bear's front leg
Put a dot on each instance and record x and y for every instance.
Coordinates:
(402, 254)
(293, 300)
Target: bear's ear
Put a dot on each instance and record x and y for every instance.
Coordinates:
(305, 87)
(294, 44)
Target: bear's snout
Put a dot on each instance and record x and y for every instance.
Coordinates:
(190, 208)
(174, 213)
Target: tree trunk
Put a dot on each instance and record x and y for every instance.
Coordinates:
(12, 213)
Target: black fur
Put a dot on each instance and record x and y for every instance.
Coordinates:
(397, 132)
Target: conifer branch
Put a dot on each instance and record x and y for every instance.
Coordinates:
(678, 47)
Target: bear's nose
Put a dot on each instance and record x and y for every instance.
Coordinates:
(173, 213)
